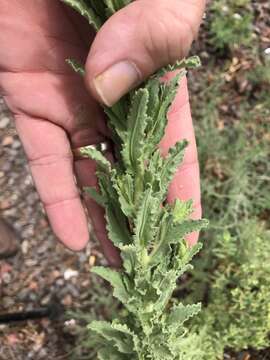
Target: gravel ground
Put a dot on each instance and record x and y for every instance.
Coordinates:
(43, 271)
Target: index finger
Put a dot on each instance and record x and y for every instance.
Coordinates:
(186, 182)
(51, 162)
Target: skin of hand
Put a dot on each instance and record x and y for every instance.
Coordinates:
(54, 112)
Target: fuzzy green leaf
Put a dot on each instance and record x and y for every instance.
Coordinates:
(76, 66)
(179, 231)
(96, 155)
(120, 336)
(109, 353)
(95, 195)
(148, 210)
(125, 190)
(153, 87)
(115, 5)
(116, 226)
(116, 280)
(160, 121)
(86, 11)
(99, 8)
(137, 121)
(182, 210)
(192, 62)
(129, 254)
(171, 163)
(180, 314)
(116, 220)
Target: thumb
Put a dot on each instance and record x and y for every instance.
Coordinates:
(138, 40)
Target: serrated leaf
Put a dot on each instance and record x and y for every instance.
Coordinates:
(189, 255)
(182, 210)
(95, 195)
(120, 336)
(109, 353)
(86, 11)
(124, 186)
(179, 231)
(147, 213)
(94, 154)
(116, 280)
(153, 86)
(76, 66)
(161, 244)
(116, 226)
(159, 123)
(136, 125)
(116, 221)
(171, 164)
(115, 5)
(99, 8)
(129, 254)
(165, 290)
(180, 314)
(192, 62)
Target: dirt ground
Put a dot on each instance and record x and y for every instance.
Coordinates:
(43, 272)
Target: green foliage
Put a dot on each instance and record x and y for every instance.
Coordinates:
(151, 237)
(149, 233)
(231, 23)
(231, 276)
(85, 9)
(238, 314)
(96, 12)
(76, 66)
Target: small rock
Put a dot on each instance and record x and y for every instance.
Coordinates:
(6, 278)
(25, 247)
(23, 295)
(12, 339)
(7, 166)
(45, 300)
(4, 122)
(7, 302)
(16, 144)
(67, 301)
(69, 273)
(5, 204)
(33, 286)
(7, 141)
(73, 290)
(30, 262)
(43, 353)
(33, 296)
(60, 282)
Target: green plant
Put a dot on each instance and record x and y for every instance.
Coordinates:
(231, 23)
(231, 275)
(238, 313)
(149, 232)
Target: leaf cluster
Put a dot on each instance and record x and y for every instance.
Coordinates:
(231, 275)
(149, 232)
(231, 24)
(96, 12)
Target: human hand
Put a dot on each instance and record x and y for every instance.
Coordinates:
(54, 112)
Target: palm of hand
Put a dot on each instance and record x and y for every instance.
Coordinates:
(54, 112)
(51, 107)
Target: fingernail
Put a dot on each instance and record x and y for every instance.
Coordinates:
(115, 82)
